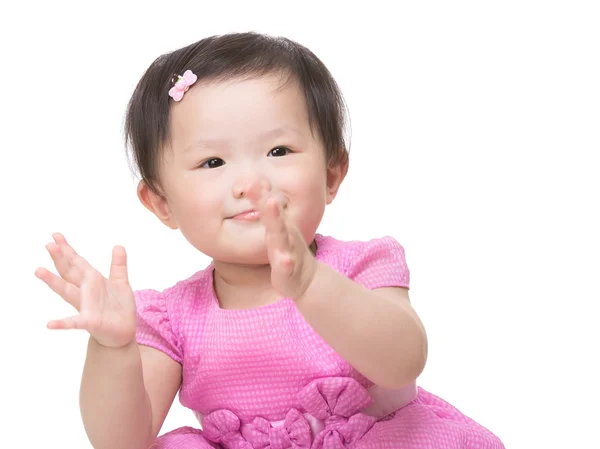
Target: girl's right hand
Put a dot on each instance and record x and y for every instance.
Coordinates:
(106, 306)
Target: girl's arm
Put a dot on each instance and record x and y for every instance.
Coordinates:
(126, 389)
(376, 331)
(126, 394)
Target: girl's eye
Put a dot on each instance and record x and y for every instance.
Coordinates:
(279, 151)
(213, 163)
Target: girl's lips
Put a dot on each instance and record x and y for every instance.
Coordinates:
(249, 215)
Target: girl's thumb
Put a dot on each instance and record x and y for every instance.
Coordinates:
(118, 266)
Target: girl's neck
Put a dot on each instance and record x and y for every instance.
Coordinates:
(245, 286)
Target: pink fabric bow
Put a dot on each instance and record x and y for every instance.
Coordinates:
(341, 432)
(334, 396)
(294, 433)
(335, 402)
(182, 85)
(223, 426)
(338, 402)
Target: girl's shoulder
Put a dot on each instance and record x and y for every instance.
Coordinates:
(348, 253)
(193, 292)
(368, 262)
(160, 313)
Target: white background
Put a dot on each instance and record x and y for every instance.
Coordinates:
(475, 143)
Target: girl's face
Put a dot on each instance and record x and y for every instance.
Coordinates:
(224, 135)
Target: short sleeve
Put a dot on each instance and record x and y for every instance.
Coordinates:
(378, 263)
(154, 326)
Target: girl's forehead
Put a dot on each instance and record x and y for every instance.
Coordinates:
(245, 93)
(256, 106)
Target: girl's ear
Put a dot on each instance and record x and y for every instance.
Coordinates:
(157, 204)
(336, 172)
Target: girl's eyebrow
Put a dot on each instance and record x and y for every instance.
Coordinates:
(280, 131)
(205, 143)
(208, 142)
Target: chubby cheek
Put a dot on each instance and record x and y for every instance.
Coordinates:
(307, 197)
(198, 208)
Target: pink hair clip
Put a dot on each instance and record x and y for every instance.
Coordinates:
(182, 85)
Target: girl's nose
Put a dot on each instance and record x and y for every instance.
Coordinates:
(247, 175)
(238, 190)
(251, 187)
(242, 184)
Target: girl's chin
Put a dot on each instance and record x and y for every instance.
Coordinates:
(239, 249)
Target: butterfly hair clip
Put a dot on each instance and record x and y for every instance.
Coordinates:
(182, 84)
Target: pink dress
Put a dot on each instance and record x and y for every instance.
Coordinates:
(263, 378)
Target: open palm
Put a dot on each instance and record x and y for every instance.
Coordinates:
(106, 306)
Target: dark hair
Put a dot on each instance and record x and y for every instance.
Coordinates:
(229, 56)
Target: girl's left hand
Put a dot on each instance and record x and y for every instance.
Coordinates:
(293, 266)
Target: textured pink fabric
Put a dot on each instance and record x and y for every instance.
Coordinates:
(260, 376)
